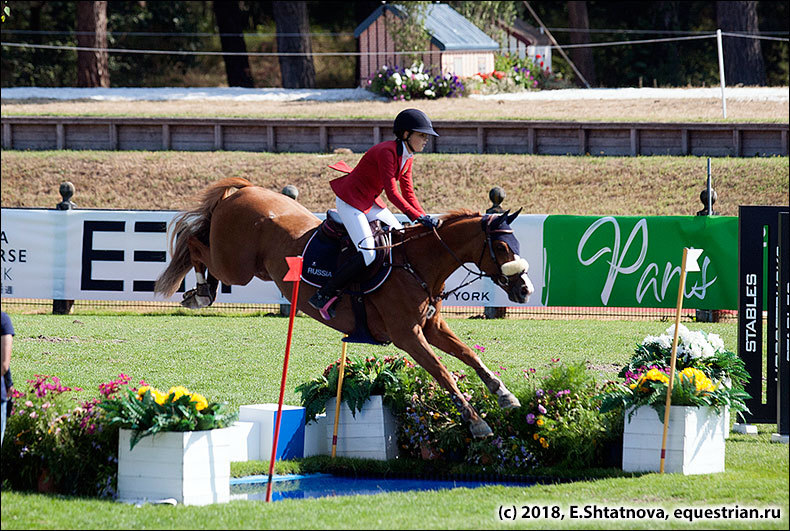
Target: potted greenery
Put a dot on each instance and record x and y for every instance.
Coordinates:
(171, 445)
(709, 381)
(366, 426)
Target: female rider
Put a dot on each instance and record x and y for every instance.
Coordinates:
(358, 202)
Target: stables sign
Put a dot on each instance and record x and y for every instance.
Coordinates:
(621, 261)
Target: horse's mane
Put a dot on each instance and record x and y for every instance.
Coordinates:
(459, 214)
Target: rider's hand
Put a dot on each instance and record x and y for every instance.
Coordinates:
(428, 221)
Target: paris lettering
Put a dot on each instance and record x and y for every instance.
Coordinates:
(652, 281)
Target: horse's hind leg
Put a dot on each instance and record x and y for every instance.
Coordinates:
(414, 342)
(205, 292)
(439, 335)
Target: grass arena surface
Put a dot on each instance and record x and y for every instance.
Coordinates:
(239, 359)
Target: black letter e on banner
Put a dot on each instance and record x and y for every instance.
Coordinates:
(89, 255)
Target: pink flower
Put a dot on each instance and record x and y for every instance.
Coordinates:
(480, 348)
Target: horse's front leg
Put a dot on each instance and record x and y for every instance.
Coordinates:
(438, 334)
(413, 341)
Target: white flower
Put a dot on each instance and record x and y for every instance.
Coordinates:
(396, 78)
(716, 342)
(430, 93)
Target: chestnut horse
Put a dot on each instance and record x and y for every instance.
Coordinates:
(240, 231)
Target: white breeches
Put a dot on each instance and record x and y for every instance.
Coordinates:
(357, 224)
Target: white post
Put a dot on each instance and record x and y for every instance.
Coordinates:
(721, 73)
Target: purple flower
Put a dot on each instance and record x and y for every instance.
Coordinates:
(530, 418)
(541, 409)
(539, 393)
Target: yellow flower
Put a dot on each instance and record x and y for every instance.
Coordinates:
(436, 416)
(177, 392)
(159, 396)
(656, 375)
(201, 401)
(540, 422)
(156, 394)
(701, 382)
(535, 436)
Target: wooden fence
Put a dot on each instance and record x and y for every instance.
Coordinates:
(322, 136)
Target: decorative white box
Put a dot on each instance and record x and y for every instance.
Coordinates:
(245, 439)
(695, 441)
(315, 436)
(372, 434)
(192, 467)
(292, 429)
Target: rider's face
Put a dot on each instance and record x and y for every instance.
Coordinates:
(418, 141)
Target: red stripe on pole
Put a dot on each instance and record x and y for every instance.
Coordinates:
(663, 453)
(294, 265)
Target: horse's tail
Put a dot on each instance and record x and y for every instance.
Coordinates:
(195, 222)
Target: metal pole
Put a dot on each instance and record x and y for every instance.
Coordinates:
(721, 73)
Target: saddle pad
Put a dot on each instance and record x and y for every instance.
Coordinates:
(321, 257)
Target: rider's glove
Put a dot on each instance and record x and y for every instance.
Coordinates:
(428, 221)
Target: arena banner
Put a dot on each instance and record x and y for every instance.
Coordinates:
(574, 260)
(634, 261)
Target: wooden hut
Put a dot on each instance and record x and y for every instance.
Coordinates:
(457, 46)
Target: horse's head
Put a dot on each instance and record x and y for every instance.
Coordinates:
(505, 267)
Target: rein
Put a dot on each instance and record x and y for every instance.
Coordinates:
(500, 279)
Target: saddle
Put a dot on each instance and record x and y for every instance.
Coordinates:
(328, 247)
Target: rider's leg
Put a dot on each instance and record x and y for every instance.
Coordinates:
(385, 216)
(357, 225)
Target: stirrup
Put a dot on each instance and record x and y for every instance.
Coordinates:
(326, 310)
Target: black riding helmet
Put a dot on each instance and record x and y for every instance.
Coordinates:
(412, 120)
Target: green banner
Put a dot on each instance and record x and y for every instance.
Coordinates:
(633, 261)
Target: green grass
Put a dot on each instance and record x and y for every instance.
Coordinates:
(239, 359)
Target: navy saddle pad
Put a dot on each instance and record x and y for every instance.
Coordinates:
(330, 245)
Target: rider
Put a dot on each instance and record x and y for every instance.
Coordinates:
(358, 200)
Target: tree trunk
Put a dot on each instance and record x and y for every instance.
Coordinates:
(743, 58)
(293, 36)
(230, 23)
(92, 66)
(582, 57)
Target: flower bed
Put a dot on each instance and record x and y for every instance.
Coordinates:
(558, 423)
(510, 74)
(58, 442)
(707, 374)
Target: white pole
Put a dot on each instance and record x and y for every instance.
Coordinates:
(721, 72)
(710, 192)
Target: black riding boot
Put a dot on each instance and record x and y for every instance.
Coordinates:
(325, 298)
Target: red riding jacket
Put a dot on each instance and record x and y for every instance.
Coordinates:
(377, 171)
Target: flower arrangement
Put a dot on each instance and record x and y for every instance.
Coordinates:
(49, 433)
(706, 374)
(558, 423)
(361, 379)
(397, 83)
(148, 411)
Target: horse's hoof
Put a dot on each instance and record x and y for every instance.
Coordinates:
(480, 429)
(194, 301)
(508, 401)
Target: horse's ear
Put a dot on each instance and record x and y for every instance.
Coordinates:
(496, 220)
(513, 216)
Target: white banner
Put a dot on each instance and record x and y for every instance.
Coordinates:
(118, 254)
